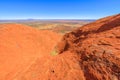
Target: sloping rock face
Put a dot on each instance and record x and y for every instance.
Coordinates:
(98, 46)
(21, 46)
(91, 52)
(29, 54)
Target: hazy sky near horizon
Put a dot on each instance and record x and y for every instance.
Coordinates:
(58, 9)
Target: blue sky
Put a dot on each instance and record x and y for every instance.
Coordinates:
(58, 9)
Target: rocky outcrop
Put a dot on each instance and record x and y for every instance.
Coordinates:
(91, 52)
(98, 45)
(21, 46)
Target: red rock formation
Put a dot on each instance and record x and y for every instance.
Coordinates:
(91, 52)
(27, 54)
(21, 46)
(98, 45)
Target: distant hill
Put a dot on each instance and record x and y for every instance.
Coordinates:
(47, 20)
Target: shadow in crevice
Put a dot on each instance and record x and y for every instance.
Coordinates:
(109, 25)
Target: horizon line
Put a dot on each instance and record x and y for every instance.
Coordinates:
(50, 19)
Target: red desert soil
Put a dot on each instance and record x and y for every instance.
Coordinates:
(91, 52)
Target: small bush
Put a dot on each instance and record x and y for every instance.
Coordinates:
(54, 53)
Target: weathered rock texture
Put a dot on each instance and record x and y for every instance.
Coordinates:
(98, 45)
(91, 52)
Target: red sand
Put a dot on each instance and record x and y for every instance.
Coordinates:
(91, 52)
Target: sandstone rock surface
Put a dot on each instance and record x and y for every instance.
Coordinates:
(91, 52)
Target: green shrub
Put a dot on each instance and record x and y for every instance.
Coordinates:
(54, 53)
